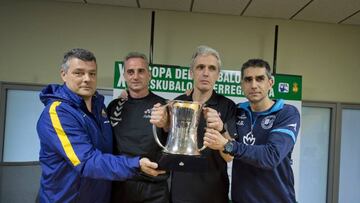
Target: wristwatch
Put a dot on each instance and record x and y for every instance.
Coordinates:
(229, 147)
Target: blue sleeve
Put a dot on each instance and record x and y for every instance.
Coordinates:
(279, 145)
(65, 137)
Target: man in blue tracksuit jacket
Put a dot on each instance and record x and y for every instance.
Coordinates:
(267, 131)
(76, 138)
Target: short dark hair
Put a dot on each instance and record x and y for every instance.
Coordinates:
(79, 53)
(256, 63)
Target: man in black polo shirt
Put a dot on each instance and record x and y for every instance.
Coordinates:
(210, 185)
(133, 133)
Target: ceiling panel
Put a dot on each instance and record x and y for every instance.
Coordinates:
(233, 7)
(330, 11)
(274, 8)
(175, 5)
(126, 3)
(353, 20)
(77, 1)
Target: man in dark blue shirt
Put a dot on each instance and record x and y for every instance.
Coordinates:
(210, 184)
(267, 132)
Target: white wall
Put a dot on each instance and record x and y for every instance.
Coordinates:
(35, 34)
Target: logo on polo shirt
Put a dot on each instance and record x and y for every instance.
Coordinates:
(147, 113)
(268, 122)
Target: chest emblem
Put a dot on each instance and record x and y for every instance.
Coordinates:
(147, 113)
(268, 122)
(249, 139)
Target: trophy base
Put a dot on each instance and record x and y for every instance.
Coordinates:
(186, 163)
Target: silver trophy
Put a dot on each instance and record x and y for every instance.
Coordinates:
(184, 120)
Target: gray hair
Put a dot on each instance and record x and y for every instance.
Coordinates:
(136, 55)
(78, 53)
(203, 51)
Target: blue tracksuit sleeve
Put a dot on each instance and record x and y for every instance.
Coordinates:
(272, 144)
(69, 136)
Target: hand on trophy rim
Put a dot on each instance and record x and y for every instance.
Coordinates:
(213, 119)
(159, 116)
(214, 140)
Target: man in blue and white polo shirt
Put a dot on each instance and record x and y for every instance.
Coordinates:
(267, 131)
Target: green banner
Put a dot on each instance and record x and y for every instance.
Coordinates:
(288, 87)
(176, 79)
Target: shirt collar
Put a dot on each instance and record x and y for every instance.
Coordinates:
(212, 101)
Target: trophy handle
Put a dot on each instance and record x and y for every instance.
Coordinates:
(156, 138)
(202, 148)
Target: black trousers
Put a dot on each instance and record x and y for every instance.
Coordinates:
(135, 191)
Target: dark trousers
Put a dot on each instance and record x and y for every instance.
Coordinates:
(134, 191)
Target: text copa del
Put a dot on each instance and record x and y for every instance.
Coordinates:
(184, 73)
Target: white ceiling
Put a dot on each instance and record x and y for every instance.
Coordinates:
(328, 11)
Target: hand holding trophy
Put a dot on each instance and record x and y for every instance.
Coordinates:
(182, 124)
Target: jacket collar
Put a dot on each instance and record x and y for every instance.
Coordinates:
(279, 104)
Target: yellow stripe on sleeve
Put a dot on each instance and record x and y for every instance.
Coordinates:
(69, 151)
